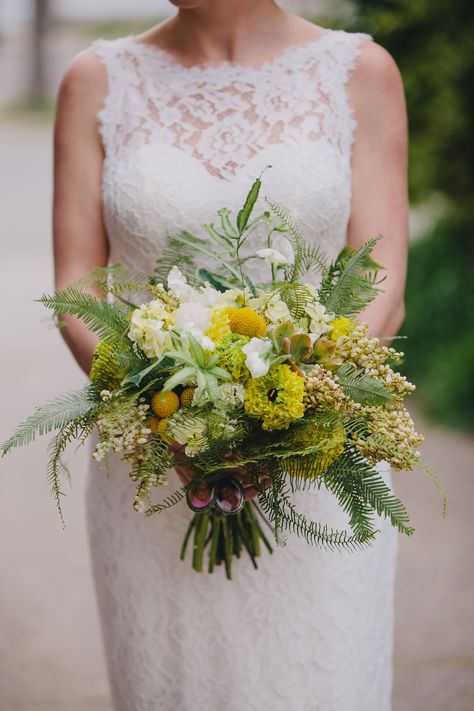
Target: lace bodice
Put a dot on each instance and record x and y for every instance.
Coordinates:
(180, 142)
(310, 630)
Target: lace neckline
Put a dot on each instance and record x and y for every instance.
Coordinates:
(293, 52)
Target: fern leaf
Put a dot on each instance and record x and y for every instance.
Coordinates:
(105, 319)
(167, 503)
(276, 503)
(114, 279)
(360, 488)
(361, 387)
(350, 283)
(306, 257)
(53, 416)
(79, 428)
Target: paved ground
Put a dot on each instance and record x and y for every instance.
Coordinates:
(50, 648)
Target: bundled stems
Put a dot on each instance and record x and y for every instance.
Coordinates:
(225, 537)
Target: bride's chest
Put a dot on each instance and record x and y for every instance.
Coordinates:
(155, 187)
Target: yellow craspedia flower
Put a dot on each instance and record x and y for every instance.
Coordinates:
(159, 427)
(154, 424)
(186, 397)
(341, 326)
(247, 322)
(219, 326)
(165, 403)
(275, 398)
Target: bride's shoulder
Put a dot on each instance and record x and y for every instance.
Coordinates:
(375, 69)
(376, 85)
(83, 84)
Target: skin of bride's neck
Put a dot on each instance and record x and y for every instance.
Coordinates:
(227, 30)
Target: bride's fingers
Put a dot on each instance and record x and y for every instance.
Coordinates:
(184, 474)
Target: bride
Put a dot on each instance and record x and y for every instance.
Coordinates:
(155, 132)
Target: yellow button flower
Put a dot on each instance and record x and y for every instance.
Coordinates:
(165, 404)
(246, 322)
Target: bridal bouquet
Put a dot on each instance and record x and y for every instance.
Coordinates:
(276, 385)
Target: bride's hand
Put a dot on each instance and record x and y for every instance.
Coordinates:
(186, 473)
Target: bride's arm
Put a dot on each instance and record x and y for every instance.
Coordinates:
(379, 179)
(79, 236)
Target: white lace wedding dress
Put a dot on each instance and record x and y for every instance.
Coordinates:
(310, 630)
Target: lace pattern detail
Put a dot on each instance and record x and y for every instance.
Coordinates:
(224, 115)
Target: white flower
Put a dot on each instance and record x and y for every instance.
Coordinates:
(276, 310)
(148, 329)
(190, 431)
(178, 286)
(319, 319)
(207, 342)
(207, 296)
(280, 254)
(192, 318)
(256, 350)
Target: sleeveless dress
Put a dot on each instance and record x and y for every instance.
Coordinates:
(309, 630)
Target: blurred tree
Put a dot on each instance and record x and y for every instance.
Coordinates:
(41, 14)
(432, 42)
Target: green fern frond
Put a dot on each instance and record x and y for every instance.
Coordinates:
(306, 257)
(359, 488)
(79, 428)
(107, 372)
(361, 387)
(295, 296)
(114, 279)
(101, 317)
(174, 252)
(350, 283)
(53, 416)
(431, 474)
(276, 503)
(167, 503)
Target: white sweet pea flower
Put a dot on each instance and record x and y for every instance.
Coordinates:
(319, 319)
(281, 254)
(192, 318)
(276, 310)
(256, 350)
(149, 329)
(207, 296)
(178, 285)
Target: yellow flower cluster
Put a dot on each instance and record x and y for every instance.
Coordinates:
(341, 326)
(315, 464)
(169, 301)
(231, 357)
(106, 373)
(275, 398)
(390, 436)
(219, 325)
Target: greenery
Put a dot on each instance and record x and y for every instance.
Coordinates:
(440, 323)
(432, 42)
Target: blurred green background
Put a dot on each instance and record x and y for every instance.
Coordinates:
(432, 42)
